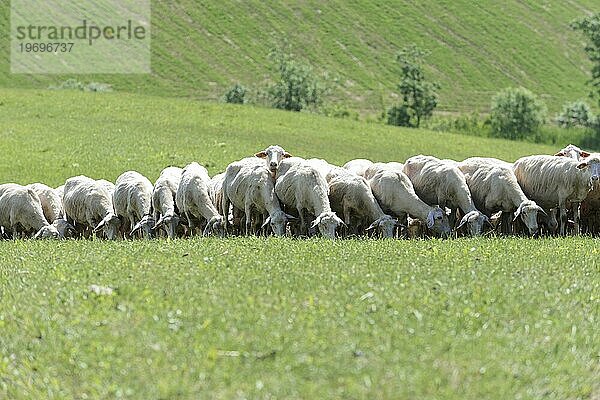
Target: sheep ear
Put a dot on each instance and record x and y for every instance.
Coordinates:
(261, 154)
(207, 230)
(136, 228)
(582, 165)
(315, 223)
(517, 213)
(288, 155)
(290, 217)
(38, 234)
(158, 223)
(99, 226)
(560, 154)
(585, 154)
(463, 221)
(373, 225)
(267, 221)
(540, 209)
(487, 221)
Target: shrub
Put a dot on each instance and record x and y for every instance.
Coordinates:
(236, 94)
(574, 114)
(297, 86)
(399, 115)
(516, 113)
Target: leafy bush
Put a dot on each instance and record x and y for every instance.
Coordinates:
(297, 87)
(419, 96)
(573, 114)
(516, 113)
(236, 94)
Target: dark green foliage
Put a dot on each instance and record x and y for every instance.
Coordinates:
(419, 97)
(516, 113)
(590, 27)
(297, 86)
(235, 95)
(576, 113)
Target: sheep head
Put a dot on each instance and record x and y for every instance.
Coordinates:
(146, 226)
(273, 156)
(528, 211)
(278, 222)
(169, 222)
(474, 221)
(328, 223)
(437, 221)
(47, 232)
(110, 226)
(215, 226)
(385, 225)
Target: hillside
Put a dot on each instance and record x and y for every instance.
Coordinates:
(49, 136)
(199, 50)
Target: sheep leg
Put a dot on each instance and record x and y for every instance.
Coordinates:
(248, 218)
(576, 216)
(303, 227)
(563, 219)
(505, 223)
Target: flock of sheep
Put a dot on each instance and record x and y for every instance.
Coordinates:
(276, 193)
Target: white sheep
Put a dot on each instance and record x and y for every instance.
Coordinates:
(376, 167)
(132, 200)
(193, 200)
(558, 181)
(21, 213)
(51, 202)
(396, 195)
(439, 182)
(302, 188)
(88, 203)
(250, 188)
(273, 156)
(494, 188)
(358, 166)
(350, 195)
(165, 210)
(574, 152)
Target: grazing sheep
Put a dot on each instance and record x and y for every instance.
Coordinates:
(494, 188)
(193, 200)
(273, 156)
(88, 203)
(51, 202)
(396, 195)
(376, 167)
(132, 200)
(439, 182)
(251, 188)
(322, 166)
(574, 152)
(301, 187)
(165, 210)
(558, 181)
(21, 213)
(358, 166)
(350, 195)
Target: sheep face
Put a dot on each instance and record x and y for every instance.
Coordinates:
(328, 223)
(437, 221)
(273, 156)
(110, 226)
(528, 211)
(385, 225)
(169, 222)
(215, 226)
(278, 222)
(64, 228)
(573, 152)
(593, 164)
(47, 232)
(146, 226)
(474, 221)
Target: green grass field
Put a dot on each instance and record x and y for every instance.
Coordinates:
(200, 49)
(276, 318)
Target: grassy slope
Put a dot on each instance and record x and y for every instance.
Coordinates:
(464, 319)
(199, 50)
(49, 136)
(255, 318)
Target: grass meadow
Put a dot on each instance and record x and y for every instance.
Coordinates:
(267, 317)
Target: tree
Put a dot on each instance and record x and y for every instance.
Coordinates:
(516, 113)
(236, 94)
(576, 113)
(419, 97)
(590, 27)
(297, 86)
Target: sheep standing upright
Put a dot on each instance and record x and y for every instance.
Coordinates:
(250, 188)
(396, 195)
(193, 200)
(21, 213)
(350, 195)
(165, 210)
(302, 188)
(132, 200)
(558, 182)
(441, 182)
(494, 188)
(88, 204)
